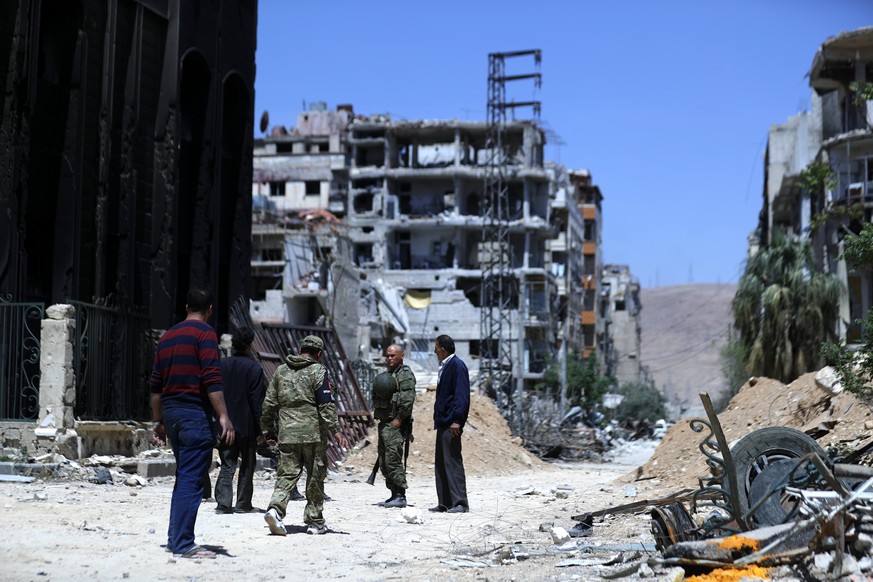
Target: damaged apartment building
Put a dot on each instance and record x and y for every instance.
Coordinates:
(837, 131)
(379, 222)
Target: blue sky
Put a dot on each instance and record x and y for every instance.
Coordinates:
(668, 104)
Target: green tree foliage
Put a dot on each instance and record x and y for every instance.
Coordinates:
(783, 311)
(585, 385)
(641, 402)
(855, 367)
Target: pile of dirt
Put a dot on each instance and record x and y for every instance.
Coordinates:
(762, 402)
(488, 446)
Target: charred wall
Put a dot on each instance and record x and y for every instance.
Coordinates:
(125, 151)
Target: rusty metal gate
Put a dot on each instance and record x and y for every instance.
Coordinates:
(20, 325)
(113, 353)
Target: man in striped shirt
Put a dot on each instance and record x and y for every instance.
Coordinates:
(186, 396)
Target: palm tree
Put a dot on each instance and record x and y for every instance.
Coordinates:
(783, 311)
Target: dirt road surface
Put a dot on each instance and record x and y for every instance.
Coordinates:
(77, 530)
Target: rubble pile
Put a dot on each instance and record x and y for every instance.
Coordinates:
(781, 478)
(841, 422)
(488, 445)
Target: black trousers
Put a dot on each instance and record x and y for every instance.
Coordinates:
(451, 481)
(242, 452)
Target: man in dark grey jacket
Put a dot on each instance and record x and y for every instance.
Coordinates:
(244, 388)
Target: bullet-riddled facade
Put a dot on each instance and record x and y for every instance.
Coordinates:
(407, 196)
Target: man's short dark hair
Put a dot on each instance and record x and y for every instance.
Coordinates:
(242, 339)
(198, 300)
(446, 343)
(310, 350)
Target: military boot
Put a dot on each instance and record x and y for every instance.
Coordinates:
(399, 499)
(392, 498)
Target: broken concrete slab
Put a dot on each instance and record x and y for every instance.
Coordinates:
(17, 479)
(42, 470)
(156, 468)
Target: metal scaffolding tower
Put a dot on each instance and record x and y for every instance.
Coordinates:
(500, 288)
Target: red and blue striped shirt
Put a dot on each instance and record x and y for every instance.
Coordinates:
(187, 365)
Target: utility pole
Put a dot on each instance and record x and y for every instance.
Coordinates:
(500, 284)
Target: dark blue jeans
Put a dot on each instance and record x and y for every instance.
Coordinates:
(191, 437)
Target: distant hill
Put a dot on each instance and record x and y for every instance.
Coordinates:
(683, 330)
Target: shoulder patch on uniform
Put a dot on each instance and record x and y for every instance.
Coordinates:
(324, 395)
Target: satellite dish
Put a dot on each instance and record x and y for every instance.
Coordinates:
(265, 121)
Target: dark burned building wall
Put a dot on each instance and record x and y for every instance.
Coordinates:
(125, 151)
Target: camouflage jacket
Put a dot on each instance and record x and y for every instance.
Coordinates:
(300, 395)
(403, 399)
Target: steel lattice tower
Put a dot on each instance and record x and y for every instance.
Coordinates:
(499, 282)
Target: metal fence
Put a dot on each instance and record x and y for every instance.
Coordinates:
(20, 325)
(113, 355)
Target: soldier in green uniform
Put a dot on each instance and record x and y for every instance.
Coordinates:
(300, 396)
(392, 407)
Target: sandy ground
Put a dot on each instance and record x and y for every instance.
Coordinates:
(76, 530)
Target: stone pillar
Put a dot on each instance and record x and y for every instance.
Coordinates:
(57, 384)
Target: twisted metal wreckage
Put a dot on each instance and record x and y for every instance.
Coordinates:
(774, 498)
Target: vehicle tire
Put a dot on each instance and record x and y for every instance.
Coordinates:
(755, 452)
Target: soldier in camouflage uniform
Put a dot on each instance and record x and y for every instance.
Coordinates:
(392, 407)
(300, 395)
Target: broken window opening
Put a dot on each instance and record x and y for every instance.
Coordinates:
(272, 254)
(510, 293)
(370, 156)
(313, 187)
(471, 288)
(364, 254)
(277, 188)
(537, 301)
(363, 203)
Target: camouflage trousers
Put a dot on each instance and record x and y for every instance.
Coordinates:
(293, 459)
(391, 455)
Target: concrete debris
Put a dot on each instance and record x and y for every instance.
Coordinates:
(465, 563)
(17, 478)
(827, 380)
(506, 555)
(546, 526)
(135, 481)
(97, 460)
(410, 515)
(630, 491)
(645, 571)
(559, 535)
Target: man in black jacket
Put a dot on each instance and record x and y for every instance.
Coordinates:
(244, 388)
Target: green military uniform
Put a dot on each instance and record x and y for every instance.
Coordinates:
(300, 395)
(398, 406)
